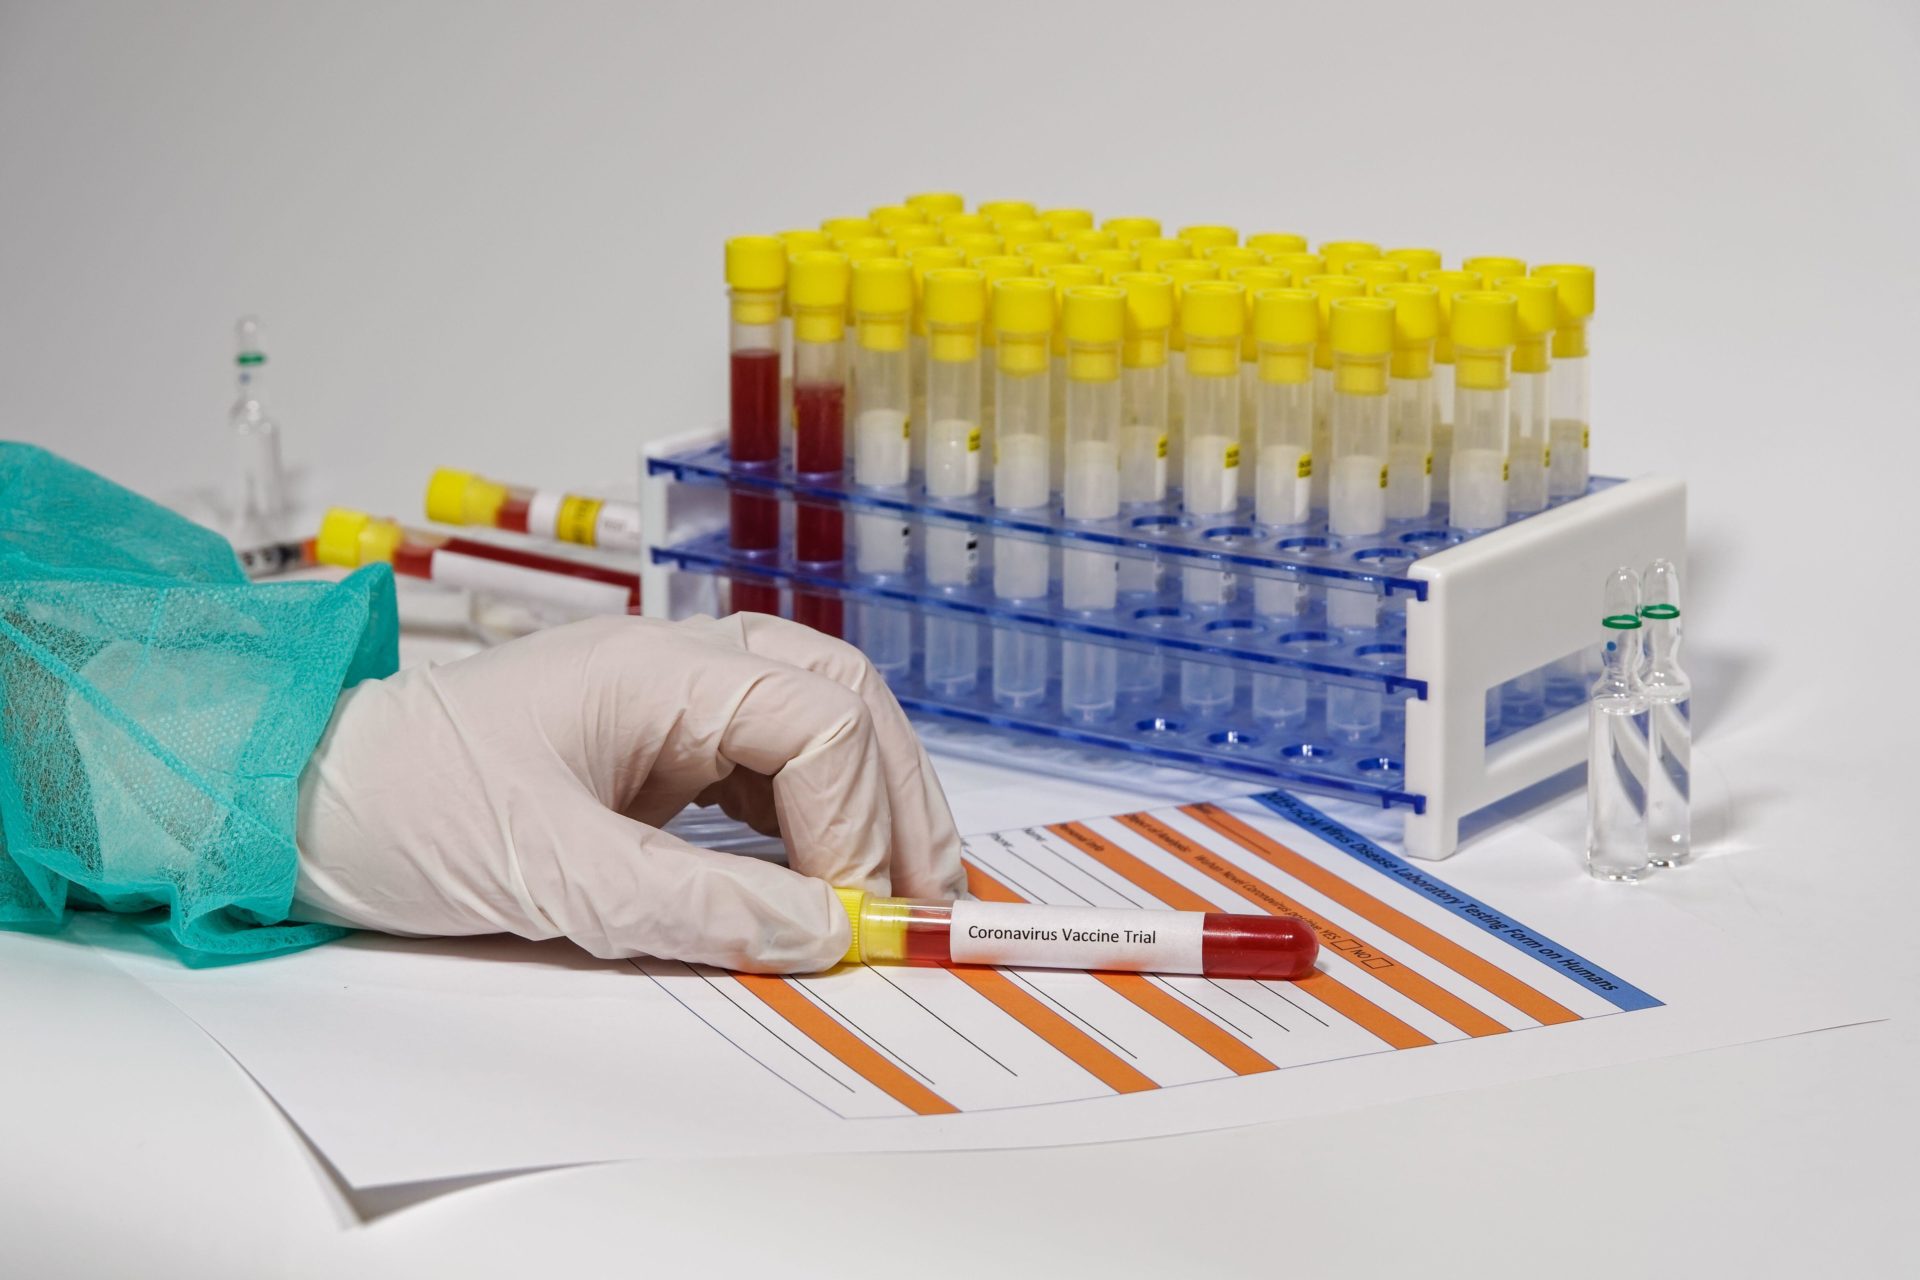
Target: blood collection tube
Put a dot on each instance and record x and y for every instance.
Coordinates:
(819, 290)
(1032, 935)
(1128, 232)
(1339, 254)
(1094, 318)
(1285, 324)
(955, 304)
(1483, 326)
(882, 304)
(1212, 314)
(462, 498)
(1449, 283)
(1569, 436)
(1023, 320)
(1325, 288)
(1536, 300)
(349, 539)
(857, 251)
(1272, 242)
(756, 275)
(798, 241)
(1416, 323)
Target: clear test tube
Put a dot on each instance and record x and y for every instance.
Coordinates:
(463, 498)
(1361, 331)
(1204, 236)
(1272, 242)
(1023, 323)
(756, 277)
(1340, 254)
(1111, 262)
(1449, 283)
(1251, 277)
(1416, 324)
(1529, 405)
(1417, 261)
(1128, 232)
(1143, 436)
(1285, 324)
(1005, 266)
(819, 288)
(955, 304)
(1569, 436)
(937, 205)
(1483, 328)
(857, 250)
(1062, 276)
(1213, 315)
(1325, 288)
(1064, 222)
(260, 491)
(1094, 320)
(882, 307)
(925, 258)
(1185, 271)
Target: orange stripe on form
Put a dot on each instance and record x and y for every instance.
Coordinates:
(1202, 1032)
(1323, 987)
(814, 1023)
(1422, 991)
(1535, 1004)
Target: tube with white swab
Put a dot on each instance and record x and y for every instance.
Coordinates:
(1416, 323)
(1093, 318)
(1213, 315)
(1285, 323)
(1023, 324)
(1483, 325)
(954, 300)
(1530, 412)
(882, 301)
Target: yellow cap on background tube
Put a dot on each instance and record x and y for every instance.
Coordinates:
(1575, 283)
(1111, 262)
(931, 257)
(1360, 331)
(1094, 318)
(977, 244)
(1375, 272)
(936, 204)
(349, 539)
(1213, 315)
(1416, 323)
(1019, 231)
(1277, 242)
(1045, 253)
(1339, 253)
(805, 238)
(1023, 323)
(1286, 323)
(893, 215)
(1149, 317)
(848, 227)
(1253, 279)
(999, 211)
(1299, 265)
(955, 302)
(1537, 300)
(818, 285)
(963, 224)
(1483, 325)
(1207, 235)
(913, 236)
(1185, 271)
(1062, 221)
(1326, 288)
(1000, 267)
(882, 302)
(756, 272)
(1229, 256)
(461, 497)
(1156, 251)
(1415, 260)
(854, 903)
(1090, 241)
(1126, 231)
(1450, 283)
(1064, 276)
(1492, 268)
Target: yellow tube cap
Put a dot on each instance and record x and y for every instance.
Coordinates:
(1277, 242)
(1023, 305)
(853, 902)
(351, 538)
(883, 285)
(913, 236)
(976, 244)
(1416, 313)
(1361, 326)
(1046, 253)
(461, 497)
(1339, 253)
(1204, 236)
(1065, 220)
(1212, 309)
(1538, 301)
(1492, 268)
(963, 224)
(1186, 271)
(1112, 262)
(887, 216)
(1228, 256)
(1091, 241)
(1575, 283)
(756, 262)
(1128, 231)
(998, 211)
(1299, 265)
(861, 248)
(819, 279)
(1483, 319)
(849, 227)
(805, 238)
(1375, 272)
(1093, 313)
(936, 204)
(1019, 231)
(1156, 251)
(1416, 260)
(1149, 300)
(954, 296)
(1286, 317)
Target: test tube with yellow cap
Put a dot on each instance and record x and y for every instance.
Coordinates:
(1285, 323)
(1111, 262)
(1251, 277)
(1143, 413)
(1374, 272)
(955, 302)
(1491, 267)
(999, 212)
(1417, 261)
(936, 204)
(1063, 222)
(756, 279)
(1450, 284)
(846, 228)
(1360, 331)
(462, 498)
(1204, 236)
(1046, 253)
(1569, 435)
(1021, 231)
(888, 216)
(1325, 288)
(996, 268)
(1023, 321)
(1213, 314)
(1229, 256)
(1094, 320)
(1129, 231)
(1299, 264)
(1416, 323)
(954, 225)
(1062, 276)
(1184, 271)
(819, 287)
(1483, 330)
(1340, 254)
(977, 244)
(932, 257)
(1271, 242)
(858, 250)
(1090, 241)
(882, 306)
(1529, 403)
(1154, 252)
(913, 236)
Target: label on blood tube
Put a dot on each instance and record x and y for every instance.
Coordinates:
(587, 522)
(1075, 937)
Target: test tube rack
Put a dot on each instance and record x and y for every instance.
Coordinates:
(1420, 669)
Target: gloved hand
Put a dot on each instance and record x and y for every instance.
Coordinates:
(521, 790)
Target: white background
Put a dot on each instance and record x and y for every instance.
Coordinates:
(489, 236)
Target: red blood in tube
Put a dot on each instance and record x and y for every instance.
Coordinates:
(819, 428)
(513, 515)
(411, 560)
(754, 437)
(1256, 946)
(415, 560)
(824, 614)
(755, 597)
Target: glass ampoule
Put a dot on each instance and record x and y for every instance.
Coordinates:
(1670, 725)
(1617, 741)
(260, 490)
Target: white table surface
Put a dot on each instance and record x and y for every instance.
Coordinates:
(447, 214)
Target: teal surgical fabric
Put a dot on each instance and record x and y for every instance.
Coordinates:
(156, 710)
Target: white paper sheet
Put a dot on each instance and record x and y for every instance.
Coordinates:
(410, 1061)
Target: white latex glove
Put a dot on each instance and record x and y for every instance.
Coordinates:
(521, 790)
